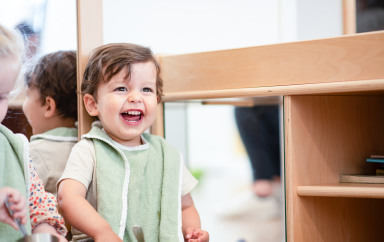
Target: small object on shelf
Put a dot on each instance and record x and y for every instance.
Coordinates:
(377, 178)
(379, 161)
(380, 172)
(362, 178)
(375, 160)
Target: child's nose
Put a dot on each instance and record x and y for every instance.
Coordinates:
(134, 96)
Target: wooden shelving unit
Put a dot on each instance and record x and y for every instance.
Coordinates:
(333, 102)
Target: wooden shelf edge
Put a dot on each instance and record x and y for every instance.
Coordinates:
(302, 89)
(351, 190)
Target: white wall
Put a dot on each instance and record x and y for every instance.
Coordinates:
(15, 11)
(310, 19)
(180, 26)
(60, 26)
(319, 19)
(57, 22)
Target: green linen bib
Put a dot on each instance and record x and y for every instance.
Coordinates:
(58, 134)
(138, 186)
(14, 172)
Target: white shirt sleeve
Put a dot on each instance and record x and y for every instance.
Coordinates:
(189, 182)
(80, 163)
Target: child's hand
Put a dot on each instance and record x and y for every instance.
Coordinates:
(17, 205)
(196, 235)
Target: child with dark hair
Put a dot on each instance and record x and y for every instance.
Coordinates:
(51, 110)
(118, 175)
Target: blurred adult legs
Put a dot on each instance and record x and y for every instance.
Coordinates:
(259, 129)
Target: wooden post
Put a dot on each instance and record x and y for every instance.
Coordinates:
(349, 16)
(157, 127)
(89, 36)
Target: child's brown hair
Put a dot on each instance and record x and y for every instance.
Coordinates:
(55, 75)
(108, 60)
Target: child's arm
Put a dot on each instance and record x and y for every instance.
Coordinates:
(191, 221)
(44, 216)
(17, 205)
(80, 214)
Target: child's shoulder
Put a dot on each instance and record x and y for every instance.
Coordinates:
(6, 135)
(4, 131)
(12, 144)
(85, 143)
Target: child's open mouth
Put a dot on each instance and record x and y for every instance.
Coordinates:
(133, 116)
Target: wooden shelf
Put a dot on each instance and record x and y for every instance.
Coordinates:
(363, 87)
(343, 190)
(280, 69)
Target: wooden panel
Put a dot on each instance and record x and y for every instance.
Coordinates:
(338, 219)
(346, 58)
(89, 36)
(326, 136)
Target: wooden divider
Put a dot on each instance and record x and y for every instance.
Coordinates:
(89, 36)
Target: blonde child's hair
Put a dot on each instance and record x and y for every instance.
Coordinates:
(12, 47)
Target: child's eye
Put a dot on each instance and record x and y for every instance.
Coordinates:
(121, 89)
(147, 89)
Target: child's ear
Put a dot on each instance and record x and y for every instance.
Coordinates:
(90, 105)
(50, 107)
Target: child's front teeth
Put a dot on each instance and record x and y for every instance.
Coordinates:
(134, 112)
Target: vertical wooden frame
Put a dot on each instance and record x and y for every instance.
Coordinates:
(89, 36)
(349, 16)
(157, 127)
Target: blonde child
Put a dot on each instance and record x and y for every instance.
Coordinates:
(18, 179)
(119, 176)
(51, 109)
